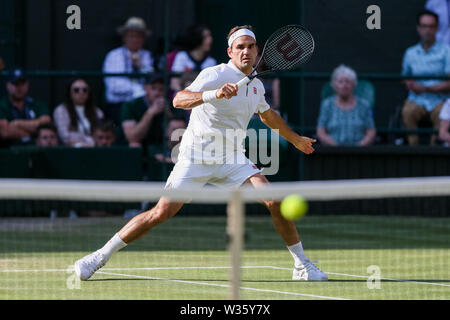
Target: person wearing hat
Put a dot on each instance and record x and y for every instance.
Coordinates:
(142, 118)
(22, 113)
(129, 58)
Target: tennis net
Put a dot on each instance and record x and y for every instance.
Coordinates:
(375, 239)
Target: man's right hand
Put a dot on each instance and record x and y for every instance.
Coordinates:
(157, 107)
(227, 91)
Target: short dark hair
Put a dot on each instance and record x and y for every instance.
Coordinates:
(427, 13)
(45, 126)
(236, 28)
(105, 126)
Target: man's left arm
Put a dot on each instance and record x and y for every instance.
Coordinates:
(274, 121)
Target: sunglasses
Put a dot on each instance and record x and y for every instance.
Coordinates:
(80, 89)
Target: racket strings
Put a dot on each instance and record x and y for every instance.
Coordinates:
(288, 48)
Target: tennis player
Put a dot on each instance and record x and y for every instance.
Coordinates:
(209, 154)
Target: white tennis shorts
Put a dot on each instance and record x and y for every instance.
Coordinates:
(186, 174)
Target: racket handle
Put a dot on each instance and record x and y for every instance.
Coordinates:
(243, 82)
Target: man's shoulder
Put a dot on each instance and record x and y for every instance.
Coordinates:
(412, 49)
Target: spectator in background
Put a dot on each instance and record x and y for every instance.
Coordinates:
(129, 58)
(104, 134)
(172, 138)
(142, 118)
(428, 57)
(444, 127)
(2, 64)
(344, 118)
(47, 135)
(22, 113)
(195, 56)
(442, 9)
(77, 115)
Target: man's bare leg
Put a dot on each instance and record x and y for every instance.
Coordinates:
(141, 224)
(135, 229)
(285, 228)
(304, 269)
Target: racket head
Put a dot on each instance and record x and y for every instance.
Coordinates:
(288, 48)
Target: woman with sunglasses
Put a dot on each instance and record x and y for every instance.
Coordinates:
(76, 117)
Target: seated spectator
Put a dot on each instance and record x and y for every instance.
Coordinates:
(22, 113)
(142, 118)
(442, 9)
(47, 135)
(345, 119)
(129, 58)
(172, 138)
(195, 56)
(444, 127)
(428, 57)
(104, 134)
(77, 115)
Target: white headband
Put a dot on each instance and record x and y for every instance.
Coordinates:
(240, 33)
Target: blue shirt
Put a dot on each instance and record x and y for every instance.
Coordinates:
(346, 127)
(435, 62)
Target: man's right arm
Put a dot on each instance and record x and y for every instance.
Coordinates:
(186, 99)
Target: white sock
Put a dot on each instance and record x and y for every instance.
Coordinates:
(298, 254)
(113, 245)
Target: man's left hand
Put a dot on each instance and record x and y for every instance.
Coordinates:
(415, 86)
(304, 144)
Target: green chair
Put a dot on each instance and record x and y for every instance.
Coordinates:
(364, 89)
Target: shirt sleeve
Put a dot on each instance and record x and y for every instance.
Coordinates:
(406, 68)
(208, 79)
(62, 122)
(447, 60)
(127, 113)
(445, 111)
(323, 114)
(263, 106)
(179, 63)
(368, 115)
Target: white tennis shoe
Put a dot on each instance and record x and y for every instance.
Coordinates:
(309, 272)
(88, 265)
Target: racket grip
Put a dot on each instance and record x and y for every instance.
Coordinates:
(243, 82)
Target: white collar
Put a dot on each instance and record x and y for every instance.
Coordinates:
(233, 66)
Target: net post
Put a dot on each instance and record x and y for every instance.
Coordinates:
(235, 226)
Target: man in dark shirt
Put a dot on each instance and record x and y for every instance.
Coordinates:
(22, 113)
(142, 118)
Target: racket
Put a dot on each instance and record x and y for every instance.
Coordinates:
(286, 49)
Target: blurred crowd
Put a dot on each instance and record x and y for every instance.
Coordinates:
(133, 109)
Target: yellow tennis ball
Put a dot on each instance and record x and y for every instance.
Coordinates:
(293, 207)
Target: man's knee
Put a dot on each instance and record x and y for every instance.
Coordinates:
(411, 114)
(161, 213)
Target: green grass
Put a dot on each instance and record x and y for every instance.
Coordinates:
(186, 258)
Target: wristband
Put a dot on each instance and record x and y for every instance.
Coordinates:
(209, 96)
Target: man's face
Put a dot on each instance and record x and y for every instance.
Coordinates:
(134, 40)
(243, 53)
(47, 138)
(427, 28)
(154, 91)
(103, 138)
(17, 90)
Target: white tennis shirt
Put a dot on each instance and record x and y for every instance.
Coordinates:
(217, 130)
